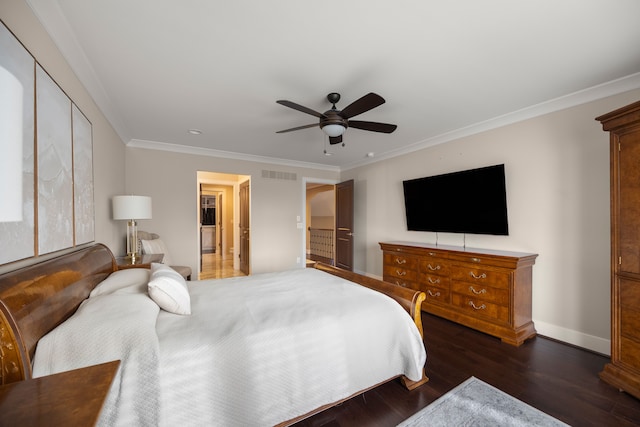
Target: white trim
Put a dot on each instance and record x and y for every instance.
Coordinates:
(305, 180)
(64, 38)
(577, 338)
(199, 151)
(52, 19)
(604, 90)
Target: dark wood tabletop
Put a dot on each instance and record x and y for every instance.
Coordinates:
(72, 398)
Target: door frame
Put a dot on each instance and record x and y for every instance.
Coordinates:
(303, 219)
(202, 179)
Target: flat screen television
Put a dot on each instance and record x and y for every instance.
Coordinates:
(472, 201)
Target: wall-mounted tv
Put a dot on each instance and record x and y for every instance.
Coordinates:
(472, 201)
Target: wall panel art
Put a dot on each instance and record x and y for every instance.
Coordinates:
(58, 198)
(82, 178)
(17, 239)
(54, 158)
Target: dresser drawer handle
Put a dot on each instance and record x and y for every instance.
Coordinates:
(481, 291)
(475, 259)
(401, 261)
(433, 294)
(432, 281)
(404, 285)
(432, 268)
(401, 272)
(432, 254)
(482, 307)
(482, 276)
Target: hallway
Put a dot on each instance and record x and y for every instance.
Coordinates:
(213, 267)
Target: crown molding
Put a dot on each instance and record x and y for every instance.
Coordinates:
(199, 151)
(584, 96)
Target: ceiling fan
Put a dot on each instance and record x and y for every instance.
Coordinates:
(334, 122)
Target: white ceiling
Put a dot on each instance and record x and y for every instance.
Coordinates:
(447, 68)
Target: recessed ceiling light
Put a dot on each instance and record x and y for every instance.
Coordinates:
(195, 131)
(370, 154)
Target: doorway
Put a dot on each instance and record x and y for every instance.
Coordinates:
(329, 218)
(321, 208)
(218, 224)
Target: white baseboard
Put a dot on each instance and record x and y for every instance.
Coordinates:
(580, 339)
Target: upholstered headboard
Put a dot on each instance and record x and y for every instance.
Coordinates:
(37, 298)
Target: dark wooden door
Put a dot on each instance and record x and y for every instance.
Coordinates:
(344, 225)
(245, 233)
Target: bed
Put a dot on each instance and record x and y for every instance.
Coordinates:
(269, 349)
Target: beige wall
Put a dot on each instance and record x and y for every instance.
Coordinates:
(109, 174)
(557, 173)
(171, 180)
(557, 184)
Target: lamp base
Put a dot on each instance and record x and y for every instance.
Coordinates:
(132, 241)
(134, 257)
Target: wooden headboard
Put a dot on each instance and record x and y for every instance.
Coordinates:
(37, 298)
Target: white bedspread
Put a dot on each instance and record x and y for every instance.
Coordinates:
(256, 350)
(119, 326)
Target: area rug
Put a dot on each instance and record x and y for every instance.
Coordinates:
(476, 403)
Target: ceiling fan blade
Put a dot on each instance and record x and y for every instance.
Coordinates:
(335, 139)
(300, 108)
(372, 126)
(298, 128)
(366, 103)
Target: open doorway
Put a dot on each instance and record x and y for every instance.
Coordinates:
(321, 209)
(218, 219)
(330, 219)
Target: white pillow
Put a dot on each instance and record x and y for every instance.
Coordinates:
(156, 246)
(169, 290)
(134, 278)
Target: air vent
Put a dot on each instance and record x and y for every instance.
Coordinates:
(287, 176)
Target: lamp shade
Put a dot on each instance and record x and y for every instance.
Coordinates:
(131, 207)
(11, 143)
(333, 130)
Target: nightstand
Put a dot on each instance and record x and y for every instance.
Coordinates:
(72, 398)
(143, 261)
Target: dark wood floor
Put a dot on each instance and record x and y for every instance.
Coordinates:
(556, 378)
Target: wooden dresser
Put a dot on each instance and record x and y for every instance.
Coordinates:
(624, 128)
(487, 290)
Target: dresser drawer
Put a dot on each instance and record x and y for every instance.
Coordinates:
(481, 276)
(400, 273)
(435, 295)
(479, 307)
(481, 291)
(433, 280)
(400, 260)
(401, 282)
(434, 266)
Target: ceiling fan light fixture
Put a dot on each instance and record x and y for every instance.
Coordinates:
(333, 130)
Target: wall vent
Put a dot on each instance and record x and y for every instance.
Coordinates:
(288, 176)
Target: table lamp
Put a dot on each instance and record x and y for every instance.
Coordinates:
(132, 208)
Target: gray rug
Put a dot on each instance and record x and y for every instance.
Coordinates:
(476, 403)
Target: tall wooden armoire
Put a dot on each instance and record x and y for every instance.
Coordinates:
(624, 128)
